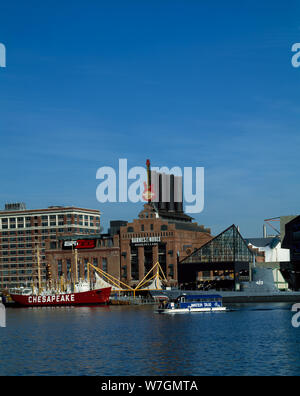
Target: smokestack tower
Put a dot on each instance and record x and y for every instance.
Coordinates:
(164, 190)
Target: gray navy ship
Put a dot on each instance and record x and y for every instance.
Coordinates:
(261, 289)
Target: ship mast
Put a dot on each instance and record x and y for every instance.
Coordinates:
(39, 269)
(74, 277)
(76, 265)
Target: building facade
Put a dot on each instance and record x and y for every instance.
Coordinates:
(69, 259)
(158, 236)
(130, 250)
(24, 235)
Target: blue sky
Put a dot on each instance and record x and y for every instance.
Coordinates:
(184, 83)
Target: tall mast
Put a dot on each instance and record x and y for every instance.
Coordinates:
(76, 266)
(39, 269)
(74, 276)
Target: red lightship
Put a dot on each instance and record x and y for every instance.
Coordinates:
(97, 296)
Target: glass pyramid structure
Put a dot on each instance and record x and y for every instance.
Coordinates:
(229, 246)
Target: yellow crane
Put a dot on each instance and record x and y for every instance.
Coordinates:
(121, 286)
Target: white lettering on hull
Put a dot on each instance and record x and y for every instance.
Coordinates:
(56, 299)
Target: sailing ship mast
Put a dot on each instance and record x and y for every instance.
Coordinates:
(38, 260)
(76, 266)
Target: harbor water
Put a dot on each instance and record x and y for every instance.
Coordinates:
(253, 339)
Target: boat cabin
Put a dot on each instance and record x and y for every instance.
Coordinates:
(188, 301)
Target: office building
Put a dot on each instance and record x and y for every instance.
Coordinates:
(24, 235)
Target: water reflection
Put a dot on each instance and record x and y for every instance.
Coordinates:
(116, 340)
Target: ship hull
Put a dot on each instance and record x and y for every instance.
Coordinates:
(98, 296)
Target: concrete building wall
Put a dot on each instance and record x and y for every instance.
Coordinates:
(276, 254)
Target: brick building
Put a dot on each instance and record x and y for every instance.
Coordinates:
(101, 250)
(158, 235)
(130, 250)
(25, 233)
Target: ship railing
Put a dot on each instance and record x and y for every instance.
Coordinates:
(215, 277)
(135, 300)
(244, 278)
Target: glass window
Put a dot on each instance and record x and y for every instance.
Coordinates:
(104, 264)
